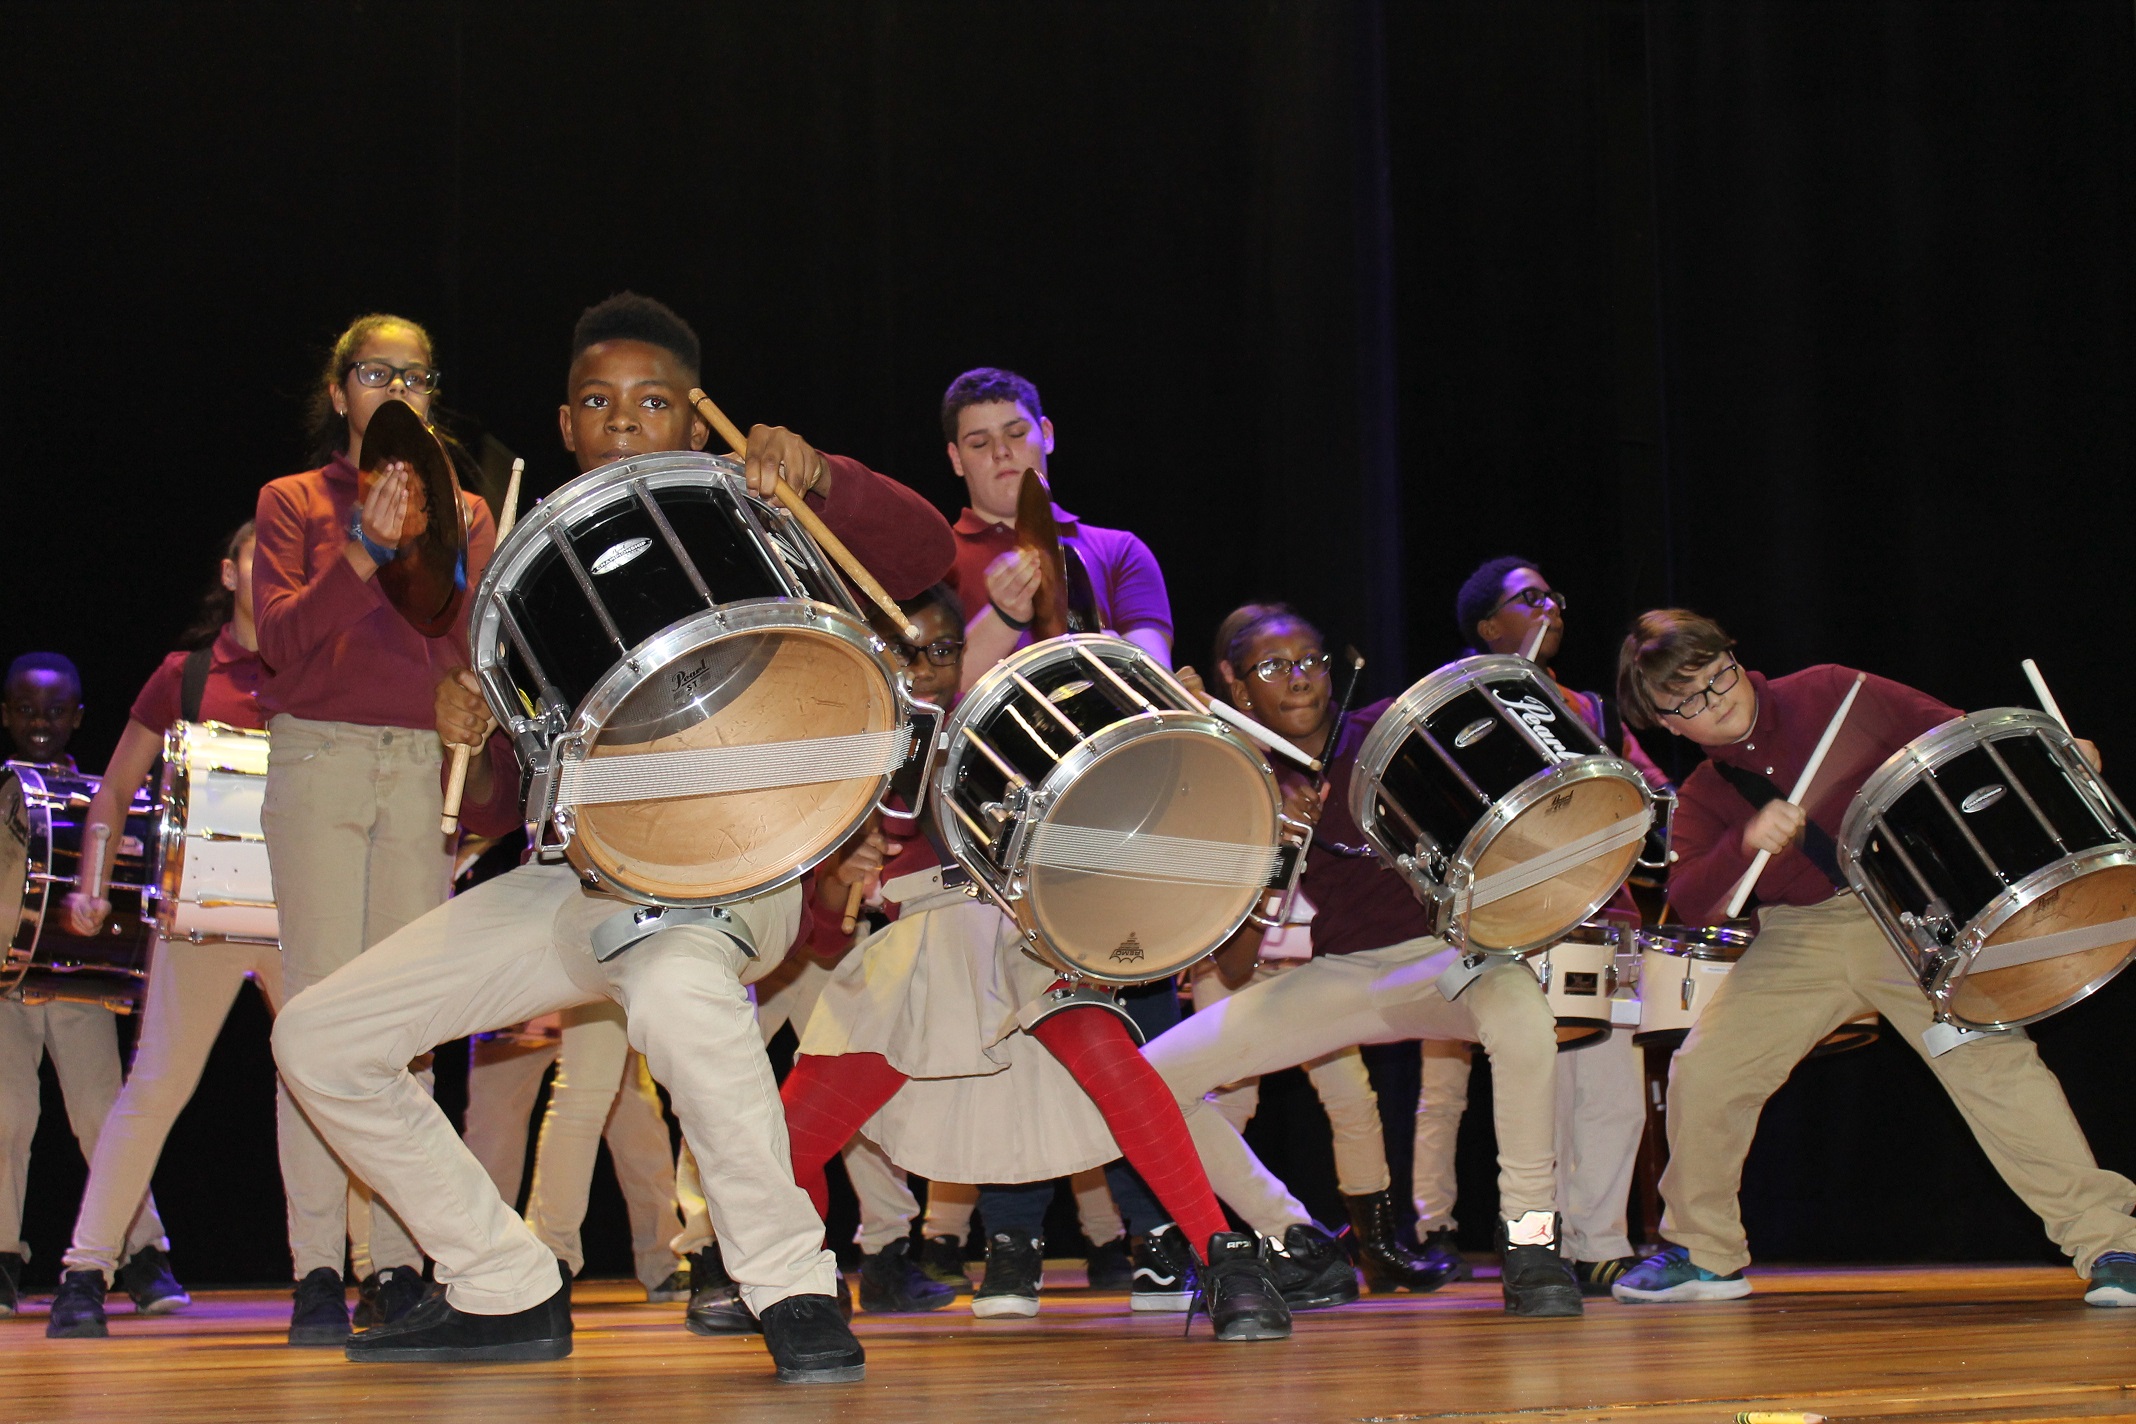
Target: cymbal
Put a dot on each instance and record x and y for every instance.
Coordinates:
(423, 582)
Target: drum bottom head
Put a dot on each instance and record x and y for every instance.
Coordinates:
(1160, 904)
(2019, 993)
(768, 685)
(1853, 1034)
(1545, 912)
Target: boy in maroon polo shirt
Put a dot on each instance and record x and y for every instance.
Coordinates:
(1818, 960)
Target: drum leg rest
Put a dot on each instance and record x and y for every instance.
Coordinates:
(1942, 1036)
(1456, 978)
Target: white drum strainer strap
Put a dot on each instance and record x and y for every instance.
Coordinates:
(1552, 863)
(2011, 953)
(755, 766)
(1146, 856)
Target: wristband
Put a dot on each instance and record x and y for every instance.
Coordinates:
(1019, 624)
(378, 552)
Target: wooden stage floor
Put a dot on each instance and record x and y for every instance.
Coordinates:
(1919, 1344)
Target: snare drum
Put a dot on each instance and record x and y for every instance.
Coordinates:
(213, 875)
(1499, 805)
(41, 813)
(702, 708)
(1579, 976)
(2000, 865)
(1124, 829)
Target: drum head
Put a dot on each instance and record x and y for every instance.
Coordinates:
(2022, 992)
(774, 684)
(14, 852)
(1157, 905)
(1545, 912)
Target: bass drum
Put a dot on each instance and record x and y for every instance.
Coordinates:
(41, 812)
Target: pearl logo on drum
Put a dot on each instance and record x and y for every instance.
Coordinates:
(1475, 732)
(1536, 713)
(1982, 799)
(615, 556)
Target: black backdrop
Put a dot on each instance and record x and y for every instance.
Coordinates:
(1816, 317)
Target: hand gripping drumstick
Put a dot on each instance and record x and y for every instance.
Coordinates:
(1802, 789)
(808, 519)
(456, 779)
(2039, 688)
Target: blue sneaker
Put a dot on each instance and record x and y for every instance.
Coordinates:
(2113, 1280)
(1669, 1275)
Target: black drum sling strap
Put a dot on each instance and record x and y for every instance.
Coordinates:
(195, 683)
(1817, 842)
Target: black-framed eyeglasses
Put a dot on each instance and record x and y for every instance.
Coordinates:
(1531, 599)
(941, 652)
(1719, 685)
(377, 374)
(1277, 669)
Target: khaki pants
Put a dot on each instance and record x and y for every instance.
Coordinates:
(1340, 1079)
(190, 990)
(1601, 1117)
(83, 1040)
(1442, 1099)
(1375, 996)
(510, 950)
(351, 819)
(1810, 970)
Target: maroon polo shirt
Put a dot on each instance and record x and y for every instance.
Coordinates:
(1123, 572)
(230, 696)
(1363, 904)
(1707, 840)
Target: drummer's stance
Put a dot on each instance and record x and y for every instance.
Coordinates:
(521, 946)
(1818, 961)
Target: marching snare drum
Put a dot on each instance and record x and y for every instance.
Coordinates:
(1579, 975)
(1125, 830)
(702, 709)
(41, 813)
(2000, 865)
(1503, 810)
(213, 876)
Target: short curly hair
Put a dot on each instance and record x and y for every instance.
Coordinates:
(1663, 643)
(980, 385)
(1480, 593)
(58, 663)
(627, 316)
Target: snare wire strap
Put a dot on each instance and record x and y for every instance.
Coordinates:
(755, 766)
(1146, 856)
(1551, 864)
(2011, 953)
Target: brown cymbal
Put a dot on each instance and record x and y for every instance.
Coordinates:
(1037, 532)
(423, 580)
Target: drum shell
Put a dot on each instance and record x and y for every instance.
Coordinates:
(1579, 975)
(213, 875)
(993, 824)
(1979, 835)
(1680, 970)
(43, 807)
(1456, 765)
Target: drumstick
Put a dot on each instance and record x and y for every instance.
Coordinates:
(852, 906)
(456, 779)
(1261, 734)
(2039, 688)
(1802, 789)
(89, 873)
(809, 520)
(1534, 644)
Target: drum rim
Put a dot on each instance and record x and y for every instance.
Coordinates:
(171, 820)
(1934, 748)
(1668, 939)
(1008, 885)
(37, 859)
(748, 616)
(1973, 936)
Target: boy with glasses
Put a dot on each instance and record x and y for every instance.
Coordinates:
(1818, 961)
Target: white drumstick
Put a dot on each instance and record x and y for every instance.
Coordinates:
(1262, 735)
(2039, 688)
(89, 874)
(1534, 644)
(1802, 789)
(456, 778)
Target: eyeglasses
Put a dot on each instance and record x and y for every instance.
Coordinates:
(1277, 669)
(420, 379)
(1719, 685)
(1531, 599)
(941, 653)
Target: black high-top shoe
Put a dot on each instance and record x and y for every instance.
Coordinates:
(1537, 1281)
(1376, 1242)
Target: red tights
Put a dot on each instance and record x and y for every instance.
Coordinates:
(827, 1100)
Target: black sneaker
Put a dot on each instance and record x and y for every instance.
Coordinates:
(810, 1344)
(321, 1315)
(1015, 1270)
(1238, 1292)
(891, 1283)
(675, 1287)
(10, 1283)
(1438, 1250)
(715, 1301)
(148, 1279)
(1112, 1266)
(436, 1331)
(1536, 1280)
(1166, 1273)
(1596, 1277)
(386, 1296)
(78, 1309)
(942, 1258)
(1311, 1270)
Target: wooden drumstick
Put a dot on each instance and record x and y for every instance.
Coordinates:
(854, 892)
(456, 778)
(1802, 789)
(809, 520)
(2039, 689)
